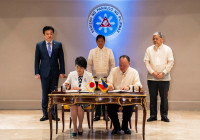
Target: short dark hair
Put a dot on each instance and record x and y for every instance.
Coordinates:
(81, 61)
(100, 36)
(48, 28)
(125, 56)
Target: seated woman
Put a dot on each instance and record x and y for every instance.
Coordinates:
(77, 80)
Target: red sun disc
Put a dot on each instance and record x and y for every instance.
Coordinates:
(92, 84)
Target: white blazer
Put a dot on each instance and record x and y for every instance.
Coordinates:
(72, 79)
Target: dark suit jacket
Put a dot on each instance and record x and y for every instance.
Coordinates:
(44, 64)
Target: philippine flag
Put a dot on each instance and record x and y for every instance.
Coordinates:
(102, 85)
(91, 86)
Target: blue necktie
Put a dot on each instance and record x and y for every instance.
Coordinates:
(49, 49)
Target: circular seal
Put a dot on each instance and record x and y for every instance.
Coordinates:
(105, 19)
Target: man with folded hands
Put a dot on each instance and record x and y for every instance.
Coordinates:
(159, 61)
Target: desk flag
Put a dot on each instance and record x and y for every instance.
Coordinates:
(102, 85)
(91, 86)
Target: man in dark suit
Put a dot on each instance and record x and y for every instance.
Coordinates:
(49, 66)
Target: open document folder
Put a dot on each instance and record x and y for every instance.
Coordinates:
(77, 91)
(119, 91)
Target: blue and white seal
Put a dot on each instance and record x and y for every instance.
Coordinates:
(105, 19)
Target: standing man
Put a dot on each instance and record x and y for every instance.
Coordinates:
(158, 60)
(49, 66)
(100, 61)
(122, 78)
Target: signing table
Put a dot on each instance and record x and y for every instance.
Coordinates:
(123, 99)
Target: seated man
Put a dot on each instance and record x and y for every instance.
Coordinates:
(122, 78)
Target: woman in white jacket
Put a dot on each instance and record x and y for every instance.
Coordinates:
(77, 80)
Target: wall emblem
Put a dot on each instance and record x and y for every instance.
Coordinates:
(106, 20)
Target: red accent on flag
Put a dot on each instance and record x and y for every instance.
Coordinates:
(105, 23)
(92, 84)
(101, 86)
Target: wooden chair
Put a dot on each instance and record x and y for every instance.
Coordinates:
(66, 108)
(135, 109)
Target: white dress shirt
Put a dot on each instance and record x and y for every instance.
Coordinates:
(118, 79)
(72, 80)
(159, 59)
(100, 61)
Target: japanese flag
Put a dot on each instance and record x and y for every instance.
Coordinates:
(91, 86)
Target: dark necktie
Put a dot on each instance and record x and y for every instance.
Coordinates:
(49, 49)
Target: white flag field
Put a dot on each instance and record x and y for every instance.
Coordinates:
(91, 86)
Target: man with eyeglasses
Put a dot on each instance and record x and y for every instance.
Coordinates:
(158, 60)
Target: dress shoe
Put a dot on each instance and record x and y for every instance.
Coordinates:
(80, 133)
(54, 118)
(151, 119)
(115, 131)
(44, 118)
(165, 119)
(97, 118)
(74, 134)
(127, 131)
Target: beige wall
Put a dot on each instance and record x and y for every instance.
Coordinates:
(21, 23)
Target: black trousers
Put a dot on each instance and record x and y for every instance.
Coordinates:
(49, 84)
(98, 108)
(127, 113)
(162, 87)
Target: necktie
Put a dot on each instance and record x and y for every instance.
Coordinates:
(49, 49)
